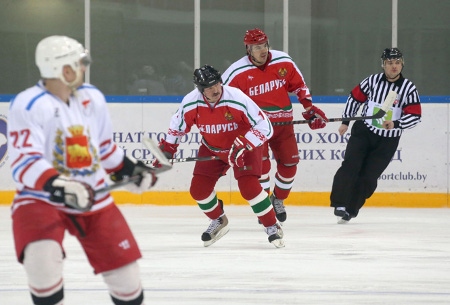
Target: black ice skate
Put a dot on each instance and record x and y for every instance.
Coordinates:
(342, 215)
(278, 207)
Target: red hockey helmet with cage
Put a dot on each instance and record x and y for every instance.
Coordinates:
(255, 36)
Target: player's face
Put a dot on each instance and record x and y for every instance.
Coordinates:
(213, 93)
(79, 75)
(74, 78)
(259, 53)
(393, 68)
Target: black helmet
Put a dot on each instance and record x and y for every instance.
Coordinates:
(391, 53)
(206, 77)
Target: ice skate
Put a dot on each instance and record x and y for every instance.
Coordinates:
(340, 211)
(217, 228)
(343, 216)
(345, 219)
(275, 235)
(278, 207)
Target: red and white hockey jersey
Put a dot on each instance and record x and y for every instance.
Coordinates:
(269, 86)
(46, 136)
(233, 115)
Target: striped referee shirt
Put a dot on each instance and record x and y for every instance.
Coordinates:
(371, 92)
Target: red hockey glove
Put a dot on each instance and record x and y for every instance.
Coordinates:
(316, 117)
(239, 147)
(168, 149)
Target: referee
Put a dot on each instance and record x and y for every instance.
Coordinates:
(373, 142)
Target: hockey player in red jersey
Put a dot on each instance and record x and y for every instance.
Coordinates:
(267, 77)
(233, 128)
(60, 145)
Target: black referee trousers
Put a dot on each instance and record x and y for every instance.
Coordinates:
(366, 157)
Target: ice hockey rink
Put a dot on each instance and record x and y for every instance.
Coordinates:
(385, 256)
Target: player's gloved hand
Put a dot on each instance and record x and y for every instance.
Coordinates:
(168, 149)
(74, 194)
(237, 151)
(146, 178)
(316, 117)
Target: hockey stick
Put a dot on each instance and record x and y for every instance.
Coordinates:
(116, 185)
(157, 153)
(390, 98)
(191, 159)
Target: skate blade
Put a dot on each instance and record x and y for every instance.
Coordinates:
(341, 221)
(217, 237)
(278, 243)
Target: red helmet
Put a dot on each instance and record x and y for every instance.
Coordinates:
(255, 36)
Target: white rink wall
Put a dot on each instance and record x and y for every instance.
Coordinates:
(421, 164)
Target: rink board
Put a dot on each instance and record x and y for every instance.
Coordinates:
(418, 175)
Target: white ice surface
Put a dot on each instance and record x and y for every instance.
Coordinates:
(385, 256)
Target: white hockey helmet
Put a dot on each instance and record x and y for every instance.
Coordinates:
(55, 52)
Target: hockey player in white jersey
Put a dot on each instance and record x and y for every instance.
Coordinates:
(61, 149)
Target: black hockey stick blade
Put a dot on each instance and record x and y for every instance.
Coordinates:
(390, 98)
(157, 153)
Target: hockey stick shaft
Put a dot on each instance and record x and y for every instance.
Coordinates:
(209, 158)
(191, 159)
(117, 185)
(378, 115)
(388, 102)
